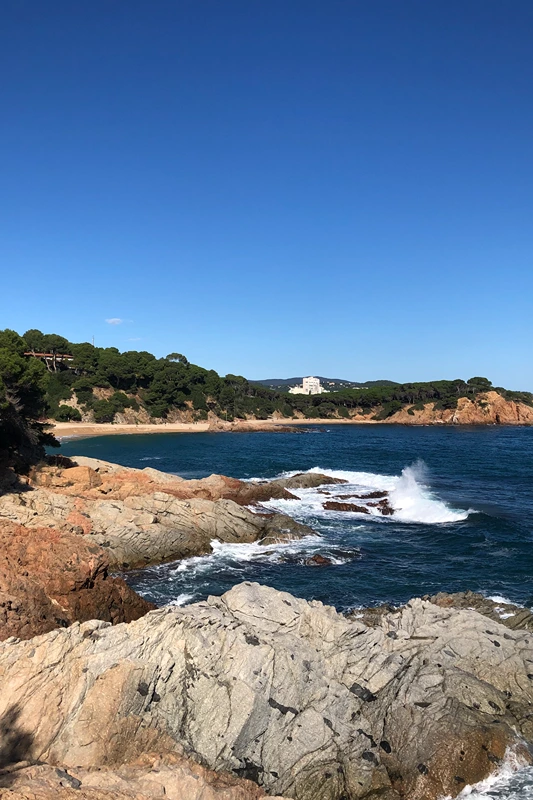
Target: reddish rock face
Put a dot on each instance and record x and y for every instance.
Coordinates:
(120, 483)
(148, 777)
(50, 578)
(318, 561)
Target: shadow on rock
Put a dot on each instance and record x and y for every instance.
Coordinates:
(15, 744)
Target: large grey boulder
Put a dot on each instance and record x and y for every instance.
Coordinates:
(156, 528)
(306, 702)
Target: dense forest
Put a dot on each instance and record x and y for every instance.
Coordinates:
(45, 375)
(23, 404)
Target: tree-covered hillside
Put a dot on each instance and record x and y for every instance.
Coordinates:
(103, 382)
(23, 403)
(83, 381)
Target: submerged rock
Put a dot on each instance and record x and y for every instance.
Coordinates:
(289, 693)
(318, 561)
(384, 507)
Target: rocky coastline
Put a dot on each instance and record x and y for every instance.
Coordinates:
(253, 692)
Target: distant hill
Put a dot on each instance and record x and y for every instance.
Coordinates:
(331, 384)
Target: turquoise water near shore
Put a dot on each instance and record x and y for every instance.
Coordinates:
(463, 500)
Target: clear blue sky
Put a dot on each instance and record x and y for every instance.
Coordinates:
(273, 187)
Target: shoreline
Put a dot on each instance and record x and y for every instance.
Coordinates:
(82, 430)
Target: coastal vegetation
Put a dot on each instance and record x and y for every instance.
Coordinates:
(23, 403)
(45, 375)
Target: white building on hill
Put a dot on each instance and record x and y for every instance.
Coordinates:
(309, 386)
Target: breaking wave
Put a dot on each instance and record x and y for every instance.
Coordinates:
(230, 555)
(344, 541)
(410, 498)
(513, 781)
(190, 579)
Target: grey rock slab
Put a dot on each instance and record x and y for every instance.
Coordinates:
(290, 693)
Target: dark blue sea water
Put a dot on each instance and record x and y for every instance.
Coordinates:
(463, 500)
(464, 519)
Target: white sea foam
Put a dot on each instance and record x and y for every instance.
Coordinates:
(182, 599)
(512, 781)
(413, 502)
(498, 598)
(408, 495)
(231, 554)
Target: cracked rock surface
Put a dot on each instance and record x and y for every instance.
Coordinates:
(172, 776)
(305, 702)
(143, 517)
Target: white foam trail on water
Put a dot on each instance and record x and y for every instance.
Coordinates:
(410, 498)
(231, 554)
(512, 781)
(231, 559)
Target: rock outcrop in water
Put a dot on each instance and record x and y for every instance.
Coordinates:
(289, 693)
(305, 480)
(143, 517)
(514, 617)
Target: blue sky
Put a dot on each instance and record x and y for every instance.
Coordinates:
(273, 188)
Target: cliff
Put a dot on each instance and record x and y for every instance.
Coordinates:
(489, 408)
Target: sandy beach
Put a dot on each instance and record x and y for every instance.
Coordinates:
(84, 429)
(79, 430)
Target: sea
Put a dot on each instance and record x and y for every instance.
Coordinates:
(463, 519)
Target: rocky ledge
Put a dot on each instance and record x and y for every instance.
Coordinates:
(261, 685)
(152, 775)
(64, 530)
(143, 517)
